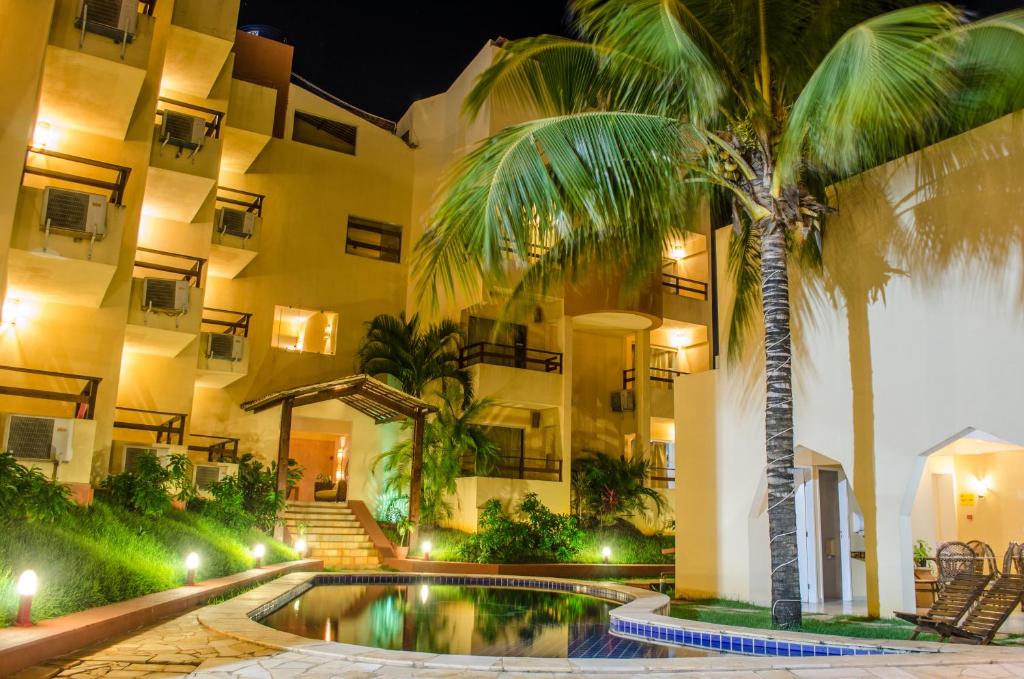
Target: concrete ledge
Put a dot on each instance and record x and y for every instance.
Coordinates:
(22, 647)
(588, 571)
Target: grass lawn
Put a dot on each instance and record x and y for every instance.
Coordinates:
(102, 554)
(740, 614)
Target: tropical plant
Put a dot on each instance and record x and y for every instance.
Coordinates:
(26, 493)
(151, 487)
(250, 498)
(605, 488)
(922, 552)
(538, 535)
(449, 438)
(662, 105)
(416, 358)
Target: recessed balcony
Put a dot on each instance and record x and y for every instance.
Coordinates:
(95, 65)
(184, 161)
(67, 231)
(223, 347)
(514, 374)
(166, 305)
(236, 231)
(662, 403)
(201, 36)
(249, 124)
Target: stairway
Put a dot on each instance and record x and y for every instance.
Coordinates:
(332, 533)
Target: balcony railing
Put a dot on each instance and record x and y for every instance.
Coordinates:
(188, 267)
(84, 401)
(247, 200)
(680, 285)
(168, 426)
(510, 355)
(226, 321)
(516, 467)
(217, 448)
(661, 477)
(662, 375)
(116, 186)
(212, 117)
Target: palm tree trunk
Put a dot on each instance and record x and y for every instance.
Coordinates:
(779, 426)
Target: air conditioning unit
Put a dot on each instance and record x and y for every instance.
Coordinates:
(206, 474)
(224, 347)
(240, 223)
(76, 213)
(41, 439)
(115, 19)
(623, 400)
(127, 454)
(165, 294)
(182, 130)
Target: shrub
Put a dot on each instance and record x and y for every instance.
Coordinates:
(249, 499)
(151, 486)
(26, 494)
(540, 535)
(605, 488)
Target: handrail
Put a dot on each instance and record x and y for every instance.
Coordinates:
(666, 375)
(680, 284)
(222, 449)
(254, 205)
(172, 427)
(193, 274)
(212, 126)
(85, 400)
(527, 358)
(238, 326)
(515, 467)
(115, 187)
(661, 473)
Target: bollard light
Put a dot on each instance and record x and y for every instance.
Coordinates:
(606, 553)
(28, 583)
(300, 546)
(259, 551)
(191, 564)
(426, 546)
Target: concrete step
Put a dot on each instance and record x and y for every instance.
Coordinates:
(350, 540)
(326, 523)
(344, 553)
(318, 510)
(320, 516)
(325, 531)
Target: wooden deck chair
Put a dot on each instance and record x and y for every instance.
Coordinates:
(986, 557)
(988, 614)
(951, 604)
(954, 558)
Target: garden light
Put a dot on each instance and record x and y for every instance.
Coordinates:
(424, 594)
(191, 564)
(300, 546)
(426, 546)
(28, 583)
(606, 553)
(259, 551)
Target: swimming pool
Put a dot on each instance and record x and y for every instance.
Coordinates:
(463, 620)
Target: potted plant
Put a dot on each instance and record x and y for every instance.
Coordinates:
(404, 527)
(922, 553)
(323, 482)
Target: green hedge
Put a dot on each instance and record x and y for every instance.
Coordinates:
(102, 554)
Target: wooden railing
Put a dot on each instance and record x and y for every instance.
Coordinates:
(219, 448)
(516, 467)
(662, 375)
(680, 285)
(115, 186)
(84, 401)
(215, 117)
(661, 477)
(522, 357)
(166, 431)
(226, 321)
(193, 272)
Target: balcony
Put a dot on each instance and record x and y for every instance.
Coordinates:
(212, 448)
(516, 467)
(168, 427)
(95, 66)
(237, 231)
(66, 239)
(662, 403)
(249, 124)
(514, 374)
(663, 478)
(184, 161)
(202, 33)
(223, 348)
(165, 308)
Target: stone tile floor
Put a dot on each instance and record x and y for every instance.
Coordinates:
(181, 647)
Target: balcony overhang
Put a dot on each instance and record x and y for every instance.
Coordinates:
(193, 61)
(174, 195)
(227, 261)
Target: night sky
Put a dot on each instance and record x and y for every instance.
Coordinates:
(381, 56)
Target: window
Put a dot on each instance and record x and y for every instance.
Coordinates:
(323, 132)
(305, 330)
(509, 442)
(375, 240)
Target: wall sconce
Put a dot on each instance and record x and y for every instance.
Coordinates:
(981, 487)
(678, 338)
(43, 135)
(677, 252)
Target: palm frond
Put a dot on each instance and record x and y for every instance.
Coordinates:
(745, 270)
(884, 89)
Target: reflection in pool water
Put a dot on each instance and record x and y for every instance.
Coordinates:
(462, 620)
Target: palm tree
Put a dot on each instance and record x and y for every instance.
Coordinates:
(449, 438)
(415, 358)
(662, 105)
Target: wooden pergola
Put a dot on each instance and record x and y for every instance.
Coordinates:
(369, 396)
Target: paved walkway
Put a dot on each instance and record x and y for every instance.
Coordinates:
(181, 647)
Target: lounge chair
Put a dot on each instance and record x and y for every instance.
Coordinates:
(989, 612)
(952, 602)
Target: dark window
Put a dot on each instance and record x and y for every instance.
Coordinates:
(509, 442)
(375, 240)
(323, 132)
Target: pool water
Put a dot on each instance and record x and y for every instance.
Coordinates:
(463, 620)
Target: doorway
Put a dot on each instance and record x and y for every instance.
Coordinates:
(831, 535)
